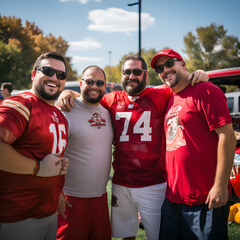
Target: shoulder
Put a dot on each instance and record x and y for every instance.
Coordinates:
(19, 104)
(205, 89)
(109, 98)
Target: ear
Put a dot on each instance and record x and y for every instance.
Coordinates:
(34, 72)
(80, 83)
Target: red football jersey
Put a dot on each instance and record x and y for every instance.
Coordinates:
(139, 156)
(40, 129)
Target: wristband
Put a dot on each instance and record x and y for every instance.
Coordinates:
(36, 168)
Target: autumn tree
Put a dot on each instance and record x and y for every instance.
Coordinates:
(211, 49)
(19, 48)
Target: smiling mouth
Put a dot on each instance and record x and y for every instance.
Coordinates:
(131, 81)
(168, 75)
(52, 85)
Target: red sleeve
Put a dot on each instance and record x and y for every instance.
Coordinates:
(15, 114)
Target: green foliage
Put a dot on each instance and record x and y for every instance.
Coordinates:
(19, 48)
(211, 49)
(113, 74)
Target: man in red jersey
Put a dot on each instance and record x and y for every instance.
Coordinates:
(139, 181)
(33, 137)
(200, 150)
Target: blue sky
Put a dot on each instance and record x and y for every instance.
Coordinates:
(102, 31)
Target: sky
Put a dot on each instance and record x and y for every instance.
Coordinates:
(101, 32)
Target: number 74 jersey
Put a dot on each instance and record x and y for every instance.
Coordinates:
(139, 139)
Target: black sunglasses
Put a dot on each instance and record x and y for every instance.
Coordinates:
(48, 71)
(169, 63)
(136, 72)
(90, 82)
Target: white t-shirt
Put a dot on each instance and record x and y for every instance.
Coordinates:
(89, 150)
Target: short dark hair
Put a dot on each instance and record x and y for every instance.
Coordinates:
(94, 66)
(47, 55)
(135, 57)
(7, 85)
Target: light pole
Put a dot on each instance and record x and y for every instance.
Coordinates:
(109, 73)
(139, 25)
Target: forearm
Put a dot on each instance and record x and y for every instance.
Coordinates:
(14, 162)
(226, 150)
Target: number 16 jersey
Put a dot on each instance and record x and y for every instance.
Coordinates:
(139, 139)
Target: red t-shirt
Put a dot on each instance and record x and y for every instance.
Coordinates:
(191, 156)
(40, 129)
(139, 157)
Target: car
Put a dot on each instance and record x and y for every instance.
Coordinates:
(75, 86)
(233, 101)
(229, 81)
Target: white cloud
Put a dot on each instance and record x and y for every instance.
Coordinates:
(77, 59)
(118, 20)
(85, 45)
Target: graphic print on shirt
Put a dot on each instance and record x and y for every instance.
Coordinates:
(97, 121)
(174, 135)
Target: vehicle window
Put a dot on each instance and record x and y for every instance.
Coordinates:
(76, 89)
(230, 102)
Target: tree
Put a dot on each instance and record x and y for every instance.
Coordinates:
(211, 49)
(113, 74)
(19, 48)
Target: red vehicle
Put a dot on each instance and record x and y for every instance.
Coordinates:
(229, 81)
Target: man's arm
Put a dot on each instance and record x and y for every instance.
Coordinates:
(66, 99)
(197, 77)
(218, 195)
(14, 162)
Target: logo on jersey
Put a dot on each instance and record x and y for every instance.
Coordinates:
(114, 201)
(55, 117)
(120, 106)
(97, 121)
(174, 136)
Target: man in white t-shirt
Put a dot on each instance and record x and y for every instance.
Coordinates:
(84, 208)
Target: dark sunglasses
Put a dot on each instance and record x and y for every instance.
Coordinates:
(48, 71)
(136, 72)
(169, 63)
(90, 82)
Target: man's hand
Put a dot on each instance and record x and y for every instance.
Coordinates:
(66, 100)
(62, 202)
(217, 197)
(197, 77)
(53, 165)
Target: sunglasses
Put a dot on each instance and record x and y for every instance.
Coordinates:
(169, 63)
(136, 72)
(48, 71)
(91, 82)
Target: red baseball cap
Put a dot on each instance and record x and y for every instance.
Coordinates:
(166, 52)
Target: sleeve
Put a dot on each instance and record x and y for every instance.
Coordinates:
(108, 99)
(214, 107)
(15, 114)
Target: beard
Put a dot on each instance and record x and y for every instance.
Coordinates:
(41, 92)
(135, 90)
(89, 99)
(174, 82)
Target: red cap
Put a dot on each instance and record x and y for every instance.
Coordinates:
(166, 52)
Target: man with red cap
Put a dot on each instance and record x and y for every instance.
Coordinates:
(200, 146)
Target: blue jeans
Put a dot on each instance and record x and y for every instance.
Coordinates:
(190, 222)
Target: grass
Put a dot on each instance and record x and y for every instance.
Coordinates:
(233, 228)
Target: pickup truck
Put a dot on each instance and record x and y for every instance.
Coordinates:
(229, 81)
